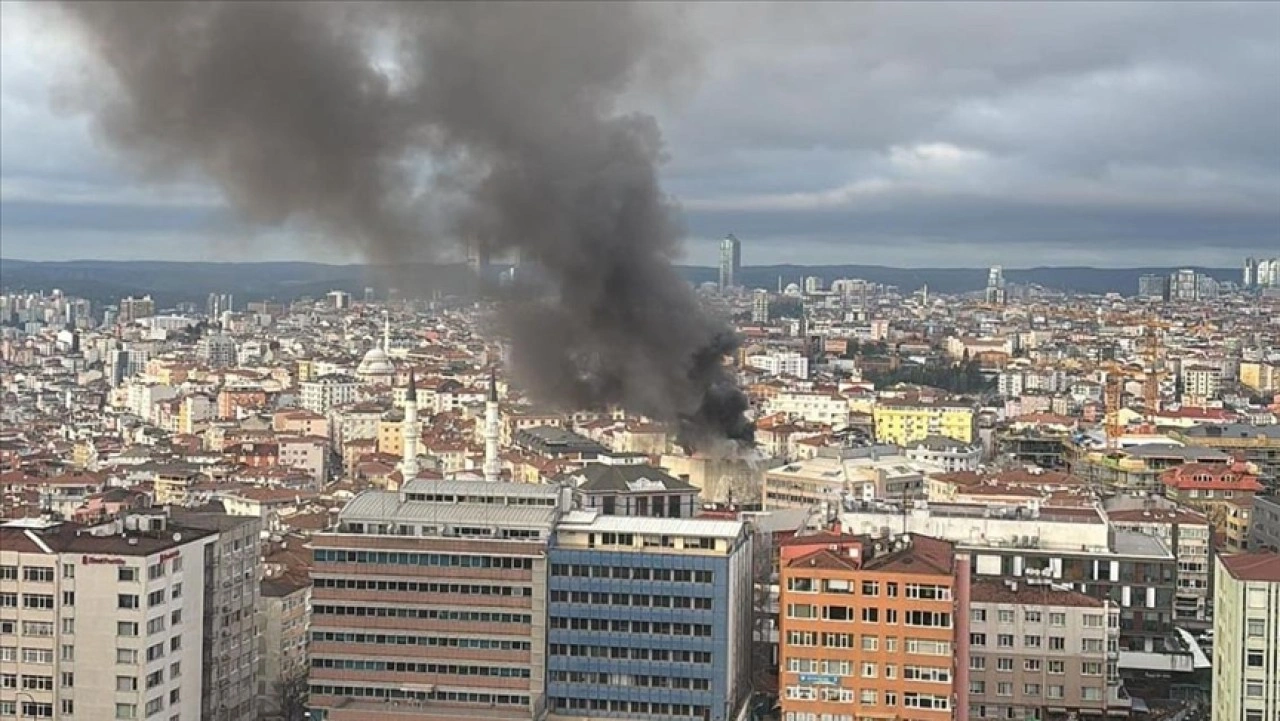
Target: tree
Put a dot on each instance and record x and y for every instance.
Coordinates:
(291, 694)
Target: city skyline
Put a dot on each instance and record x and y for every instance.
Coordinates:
(960, 159)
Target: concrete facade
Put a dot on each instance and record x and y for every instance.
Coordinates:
(1246, 652)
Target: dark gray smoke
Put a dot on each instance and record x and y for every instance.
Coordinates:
(495, 124)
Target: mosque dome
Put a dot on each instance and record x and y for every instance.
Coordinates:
(375, 364)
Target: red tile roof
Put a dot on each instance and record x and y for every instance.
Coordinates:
(1254, 566)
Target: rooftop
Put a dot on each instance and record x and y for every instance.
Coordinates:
(579, 521)
(994, 591)
(1253, 566)
(599, 477)
(386, 507)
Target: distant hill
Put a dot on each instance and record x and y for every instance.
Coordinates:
(173, 282)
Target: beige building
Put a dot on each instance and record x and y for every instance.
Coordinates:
(1041, 651)
(102, 622)
(284, 617)
(1246, 652)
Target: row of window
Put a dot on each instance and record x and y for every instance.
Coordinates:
(679, 710)
(919, 591)
(657, 628)
(631, 599)
(448, 669)
(630, 680)
(440, 560)
(870, 697)
(930, 674)
(625, 573)
(919, 646)
(623, 653)
(396, 694)
(1056, 643)
(464, 589)
(382, 639)
(1054, 666)
(1051, 691)
(429, 614)
(849, 614)
(1057, 619)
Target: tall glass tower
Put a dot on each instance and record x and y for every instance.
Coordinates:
(730, 262)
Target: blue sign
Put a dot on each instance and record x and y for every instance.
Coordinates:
(819, 679)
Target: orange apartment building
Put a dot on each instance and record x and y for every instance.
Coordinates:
(870, 631)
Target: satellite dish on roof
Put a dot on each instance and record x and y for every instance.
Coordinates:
(177, 537)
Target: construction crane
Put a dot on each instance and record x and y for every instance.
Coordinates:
(1114, 376)
(1154, 356)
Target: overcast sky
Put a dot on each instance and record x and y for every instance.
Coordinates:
(908, 134)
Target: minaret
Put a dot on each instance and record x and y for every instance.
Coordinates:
(386, 334)
(409, 433)
(492, 464)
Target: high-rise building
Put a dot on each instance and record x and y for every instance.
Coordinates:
(233, 566)
(1246, 650)
(1184, 285)
(1250, 272)
(133, 309)
(812, 285)
(869, 629)
(730, 262)
(995, 285)
(429, 603)
(217, 304)
(1153, 286)
(109, 619)
(760, 307)
(1035, 646)
(649, 618)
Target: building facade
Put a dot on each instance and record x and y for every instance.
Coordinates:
(102, 622)
(730, 262)
(649, 618)
(1039, 651)
(284, 616)
(1246, 652)
(904, 423)
(429, 603)
(869, 631)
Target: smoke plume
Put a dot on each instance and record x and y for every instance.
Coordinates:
(391, 127)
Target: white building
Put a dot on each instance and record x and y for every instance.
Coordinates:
(760, 307)
(1201, 381)
(1246, 663)
(810, 406)
(327, 392)
(217, 351)
(101, 623)
(781, 363)
(945, 453)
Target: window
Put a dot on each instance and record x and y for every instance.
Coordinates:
(37, 574)
(871, 588)
(870, 643)
(8, 680)
(8, 573)
(177, 564)
(68, 679)
(1253, 690)
(68, 625)
(155, 570)
(37, 683)
(155, 598)
(1056, 692)
(42, 601)
(175, 670)
(126, 710)
(930, 619)
(37, 655)
(68, 652)
(1091, 693)
(1004, 688)
(175, 643)
(126, 574)
(1006, 616)
(126, 683)
(868, 670)
(978, 688)
(977, 663)
(37, 628)
(1004, 640)
(155, 625)
(978, 615)
(126, 628)
(870, 615)
(1091, 645)
(127, 600)
(977, 639)
(1254, 659)
(175, 618)
(68, 707)
(1031, 641)
(1057, 643)
(126, 655)
(68, 598)
(1091, 668)
(1004, 664)
(802, 610)
(155, 678)
(1057, 620)
(177, 591)
(154, 652)
(1093, 620)
(1257, 628)
(1057, 668)
(1032, 665)
(1031, 689)
(1031, 616)
(175, 696)
(8, 600)
(68, 570)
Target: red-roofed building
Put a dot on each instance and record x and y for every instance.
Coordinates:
(1211, 487)
(881, 611)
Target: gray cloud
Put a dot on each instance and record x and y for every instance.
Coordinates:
(974, 132)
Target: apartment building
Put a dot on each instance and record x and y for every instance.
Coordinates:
(904, 422)
(1041, 651)
(1211, 487)
(836, 473)
(869, 631)
(1264, 528)
(1076, 546)
(648, 618)
(1246, 652)
(328, 392)
(284, 615)
(1256, 445)
(1185, 532)
(102, 622)
(230, 658)
(429, 603)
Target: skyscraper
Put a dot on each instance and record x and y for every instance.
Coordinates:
(730, 262)
(1250, 272)
(1153, 285)
(760, 307)
(995, 285)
